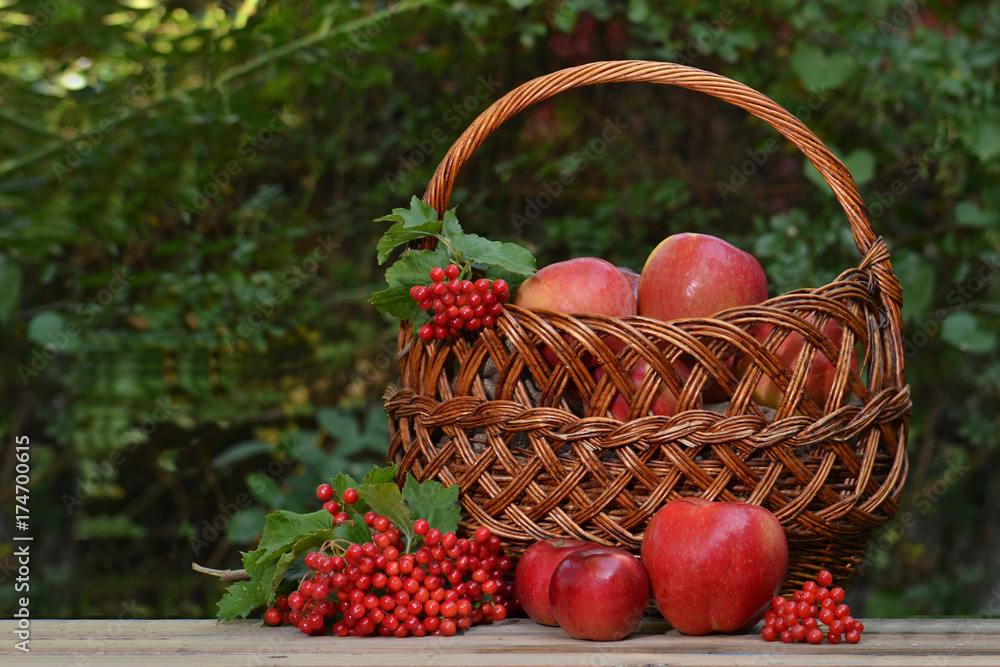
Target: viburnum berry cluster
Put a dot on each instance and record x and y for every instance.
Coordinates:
(376, 588)
(458, 304)
(799, 619)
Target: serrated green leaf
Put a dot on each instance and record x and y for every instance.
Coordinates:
(398, 235)
(396, 301)
(282, 529)
(507, 256)
(381, 475)
(242, 597)
(450, 227)
(387, 500)
(418, 214)
(280, 568)
(433, 501)
(310, 542)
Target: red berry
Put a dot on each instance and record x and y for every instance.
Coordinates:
(474, 300)
(441, 332)
(418, 293)
(488, 321)
(786, 636)
(426, 332)
(466, 313)
(296, 600)
(809, 587)
(438, 306)
(814, 636)
(331, 506)
(837, 627)
(351, 496)
(439, 289)
(482, 285)
(272, 616)
(778, 603)
(425, 305)
(769, 633)
(482, 534)
(837, 594)
(441, 319)
(824, 578)
(468, 287)
(826, 616)
(421, 527)
(456, 323)
(455, 286)
(852, 636)
(832, 638)
(859, 626)
(841, 610)
(810, 622)
(499, 286)
(473, 324)
(489, 299)
(822, 594)
(448, 299)
(799, 632)
(324, 492)
(438, 274)
(496, 309)
(451, 271)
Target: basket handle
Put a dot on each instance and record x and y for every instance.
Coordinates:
(738, 94)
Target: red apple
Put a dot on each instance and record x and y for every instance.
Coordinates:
(697, 275)
(822, 373)
(534, 572)
(665, 403)
(585, 285)
(632, 277)
(599, 594)
(714, 566)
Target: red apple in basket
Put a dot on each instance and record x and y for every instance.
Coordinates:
(534, 573)
(697, 275)
(599, 594)
(664, 403)
(632, 276)
(585, 285)
(714, 566)
(822, 373)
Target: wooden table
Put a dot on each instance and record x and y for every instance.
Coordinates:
(132, 643)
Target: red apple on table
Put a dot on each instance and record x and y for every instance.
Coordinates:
(822, 373)
(534, 573)
(697, 275)
(599, 594)
(664, 403)
(714, 566)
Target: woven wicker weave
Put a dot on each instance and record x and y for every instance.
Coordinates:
(537, 454)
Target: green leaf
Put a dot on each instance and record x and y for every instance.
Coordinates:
(507, 256)
(969, 213)
(917, 276)
(10, 287)
(381, 475)
(413, 268)
(245, 525)
(243, 597)
(43, 327)
(450, 227)
(241, 451)
(387, 500)
(398, 234)
(418, 215)
(283, 528)
(962, 331)
(819, 70)
(984, 140)
(861, 163)
(433, 501)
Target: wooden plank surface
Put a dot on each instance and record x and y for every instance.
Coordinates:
(193, 643)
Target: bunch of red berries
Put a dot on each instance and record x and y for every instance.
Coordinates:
(375, 588)
(799, 619)
(458, 304)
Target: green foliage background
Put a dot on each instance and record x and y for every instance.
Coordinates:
(186, 245)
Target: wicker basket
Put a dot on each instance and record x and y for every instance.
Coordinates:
(534, 448)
